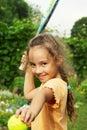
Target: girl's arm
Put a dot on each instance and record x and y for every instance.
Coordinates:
(28, 114)
(29, 86)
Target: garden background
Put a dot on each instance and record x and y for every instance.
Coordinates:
(19, 22)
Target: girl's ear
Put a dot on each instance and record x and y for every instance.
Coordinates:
(60, 60)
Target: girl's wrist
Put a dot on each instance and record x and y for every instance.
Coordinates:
(28, 70)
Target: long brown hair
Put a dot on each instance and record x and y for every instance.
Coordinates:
(55, 49)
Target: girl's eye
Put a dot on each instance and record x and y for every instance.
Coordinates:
(44, 63)
(32, 64)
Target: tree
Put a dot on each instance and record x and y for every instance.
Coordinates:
(13, 9)
(80, 28)
(78, 45)
(16, 9)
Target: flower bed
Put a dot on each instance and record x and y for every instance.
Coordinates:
(9, 103)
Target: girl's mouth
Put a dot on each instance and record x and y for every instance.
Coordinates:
(41, 77)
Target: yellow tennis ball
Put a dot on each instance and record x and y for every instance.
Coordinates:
(16, 124)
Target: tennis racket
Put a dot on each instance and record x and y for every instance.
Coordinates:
(44, 21)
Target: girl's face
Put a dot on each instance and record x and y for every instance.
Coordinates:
(42, 64)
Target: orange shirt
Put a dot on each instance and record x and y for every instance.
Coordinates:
(53, 116)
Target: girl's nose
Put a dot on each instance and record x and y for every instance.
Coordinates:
(38, 70)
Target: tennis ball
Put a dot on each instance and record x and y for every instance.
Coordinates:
(16, 124)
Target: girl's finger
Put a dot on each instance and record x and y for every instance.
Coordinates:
(32, 117)
(23, 114)
(18, 112)
(27, 117)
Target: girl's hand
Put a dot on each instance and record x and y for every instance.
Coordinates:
(26, 115)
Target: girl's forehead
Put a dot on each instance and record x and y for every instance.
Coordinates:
(38, 52)
(37, 48)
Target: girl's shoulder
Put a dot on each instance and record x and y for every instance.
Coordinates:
(55, 82)
(58, 86)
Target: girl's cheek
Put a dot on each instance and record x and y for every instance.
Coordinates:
(33, 71)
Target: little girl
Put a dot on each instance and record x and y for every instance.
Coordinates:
(53, 99)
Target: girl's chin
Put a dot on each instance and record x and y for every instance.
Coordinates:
(43, 80)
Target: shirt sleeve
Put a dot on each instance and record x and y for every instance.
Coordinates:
(59, 88)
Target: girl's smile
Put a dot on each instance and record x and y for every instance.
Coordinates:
(42, 64)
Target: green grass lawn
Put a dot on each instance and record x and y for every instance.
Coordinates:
(81, 122)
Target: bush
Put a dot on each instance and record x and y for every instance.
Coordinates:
(13, 43)
(73, 81)
(78, 90)
(83, 87)
(18, 83)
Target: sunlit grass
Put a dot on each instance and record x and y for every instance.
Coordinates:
(81, 110)
(81, 122)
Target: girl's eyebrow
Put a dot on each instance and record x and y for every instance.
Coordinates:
(41, 61)
(44, 60)
(31, 62)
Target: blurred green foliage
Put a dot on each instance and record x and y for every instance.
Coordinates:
(78, 46)
(83, 87)
(18, 24)
(17, 9)
(13, 42)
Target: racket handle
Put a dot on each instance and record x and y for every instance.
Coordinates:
(22, 66)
